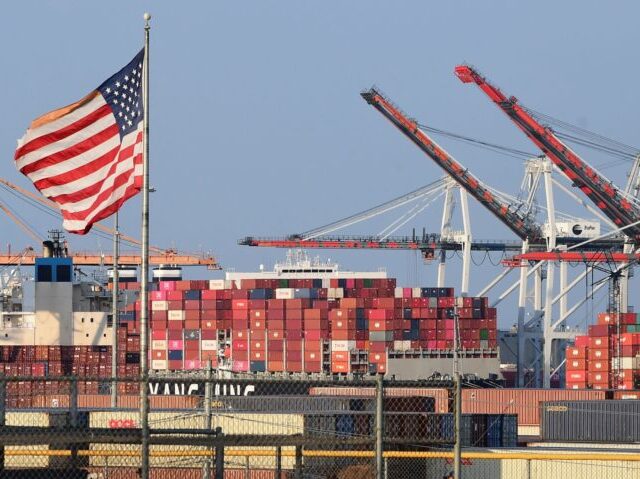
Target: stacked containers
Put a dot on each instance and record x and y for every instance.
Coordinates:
(307, 325)
(607, 357)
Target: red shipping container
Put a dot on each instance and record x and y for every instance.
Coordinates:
(275, 355)
(340, 367)
(378, 346)
(336, 334)
(292, 355)
(240, 304)
(576, 385)
(206, 334)
(240, 324)
(208, 325)
(294, 345)
(311, 314)
(175, 295)
(379, 314)
(258, 334)
(275, 334)
(258, 323)
(192, 314)
(241, 334)
(297, 304)
(159, 315)
(258, 314)
(192, 354)
(175, 325)
(275, 366)
(341, 314)
(598, 354)
(241, 355)
(344, 324)
(167, 285)
(598, 342)
(577, 352)
(276, 345)
(598, 366)
(340, 356)
(258, 345)
(288, 324)
(239, 345)
(293, 314)
(275, 304)
(576, 364)
(257, 355)
(275, 314)
(240, 314)
(598, 377)
(312, 356)
(159, 334)
(175, 364)
(381, 325)
(321, 324)
(293, 366)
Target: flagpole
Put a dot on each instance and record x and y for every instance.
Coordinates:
(144, 294)
(114, 312)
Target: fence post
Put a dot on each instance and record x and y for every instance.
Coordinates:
(379, 425)
(207, 412)
(3, 405)
(219, 462)
(457, 447)
(73, 416)
(298, 466)
(278, 462)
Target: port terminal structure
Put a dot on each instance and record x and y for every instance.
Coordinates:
(543, 310)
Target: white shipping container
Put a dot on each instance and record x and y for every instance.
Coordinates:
(209, 345)
(217, 284)
(398, 345)
(416, 292)
(159, 364)
(176, 315)
(326, 283)
(343, 345)
(397, 293)
(159, 305)
(159, 344)
(284, 293)
(339, 293)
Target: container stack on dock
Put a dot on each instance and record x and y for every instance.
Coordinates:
(333, 326)
(607, 358)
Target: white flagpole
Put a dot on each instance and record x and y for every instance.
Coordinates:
(144, 310)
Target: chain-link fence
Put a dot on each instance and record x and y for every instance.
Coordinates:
(278, 427)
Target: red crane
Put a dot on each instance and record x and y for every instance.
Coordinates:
(598, 189)
(522, 225)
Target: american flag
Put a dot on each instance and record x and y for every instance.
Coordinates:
(87, 156)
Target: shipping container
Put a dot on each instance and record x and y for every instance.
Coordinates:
(525, 403)
(615, 421)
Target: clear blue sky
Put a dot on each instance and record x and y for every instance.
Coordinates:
(257, 125)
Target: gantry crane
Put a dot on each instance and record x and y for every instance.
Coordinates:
(600, 190)
(158, 256)
(619, 207)
(521, 224)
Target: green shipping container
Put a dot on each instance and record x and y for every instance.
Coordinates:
(368, 283)
(484, 334)
(283, 283)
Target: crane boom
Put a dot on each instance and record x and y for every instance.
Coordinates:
(522, 225)
(598, 189)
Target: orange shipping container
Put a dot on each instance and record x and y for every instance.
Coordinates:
(337, 356)
(526, 403)
(576, 364)
(577, 353)
(441, 396)
(599, 354)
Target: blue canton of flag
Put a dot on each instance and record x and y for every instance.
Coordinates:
(123, 92)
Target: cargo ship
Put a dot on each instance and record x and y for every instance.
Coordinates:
(302, 318)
